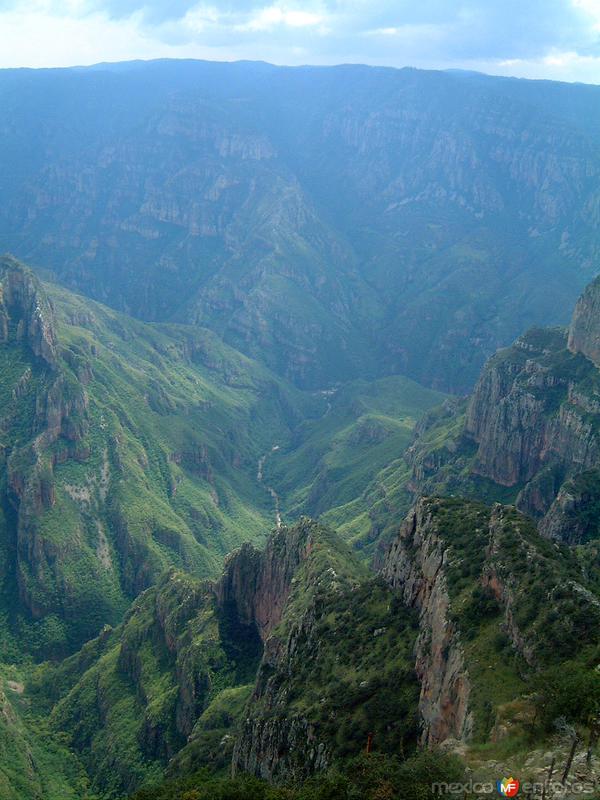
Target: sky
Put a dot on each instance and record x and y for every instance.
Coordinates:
(557, 39)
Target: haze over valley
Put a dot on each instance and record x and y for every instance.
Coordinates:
(299, 431)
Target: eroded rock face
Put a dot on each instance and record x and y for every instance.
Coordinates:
(257, 583)
(57, 419)
(272, 743)
(276, 743)
(533, 417)
(584, 332)
(573, 516)
(506, 415)
(25, 313)
(468, 569)
(415, 566)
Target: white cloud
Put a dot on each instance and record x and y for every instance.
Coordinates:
(200, 18)
(41, 38)
(270, 17)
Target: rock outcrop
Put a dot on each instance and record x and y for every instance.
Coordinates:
(338, 668)
(534, 416)
(415, 566)
(25, 314)
(276, 742)
(531, 426)
(574, 515)
(584, 332)
(256, 584)
(470, 569)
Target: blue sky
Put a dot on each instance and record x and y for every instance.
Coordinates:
(557, 39)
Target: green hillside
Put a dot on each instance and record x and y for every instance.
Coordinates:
(127, 448)
(334, 465)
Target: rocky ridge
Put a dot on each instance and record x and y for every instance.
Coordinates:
(531, 430)
(414, 566)
(351, 206)
(469, 569)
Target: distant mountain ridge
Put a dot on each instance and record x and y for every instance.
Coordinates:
(334, 222)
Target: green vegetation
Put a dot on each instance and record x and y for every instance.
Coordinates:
(170, 688)
(34, 761)
(336, 467)
(496, 560)
(366, 777)
(360, 678)
(132, 448)
(129, 700)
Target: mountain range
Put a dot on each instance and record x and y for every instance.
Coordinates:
(299, 432)
(335, 223)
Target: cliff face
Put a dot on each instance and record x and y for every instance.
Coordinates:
(574, 516)
(298, 655)
(25, 313)
(534, 414)
(337, 668)
(256, 584)
(584, 332)
(531, 428)
(44, 416)
(476, 574)
(276, 741)
(415, 566)
(531, 408)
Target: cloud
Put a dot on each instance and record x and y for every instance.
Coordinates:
(271, 17)
(553, 38)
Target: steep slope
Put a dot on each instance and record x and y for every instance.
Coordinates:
(336, 222)
(507, 649)
(174, 673)
(475, 572)
(287, 664)
(34, 763)
(323, 470)
(528, 434)
(126, 448)
(200, 673)
(336, 669)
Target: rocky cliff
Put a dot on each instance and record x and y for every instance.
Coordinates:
(530, 433)
(256, 584)
(533, 408)
(416, 566)
(584, 332)
(337, 668)
(25, 314)
(477, 574)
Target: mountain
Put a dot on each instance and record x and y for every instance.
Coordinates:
(243, 551)
(126, 448)
(336, 223)
(474, 636)
(174, 683)
(130, 447)
(529, 433)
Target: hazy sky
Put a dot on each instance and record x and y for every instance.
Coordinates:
(533, 38)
